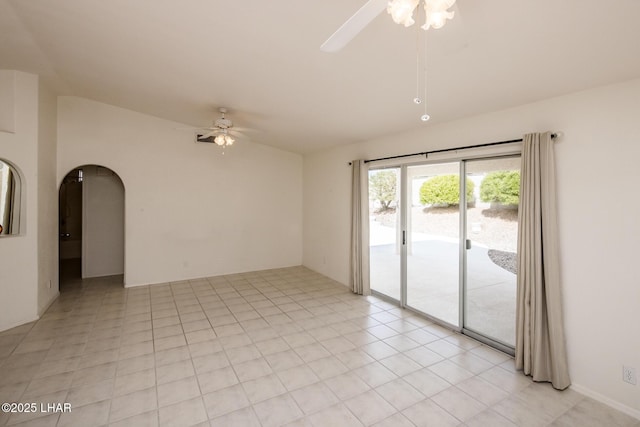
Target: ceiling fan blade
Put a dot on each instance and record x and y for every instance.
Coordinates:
(354, 25)
(208, 134)
(242, 129)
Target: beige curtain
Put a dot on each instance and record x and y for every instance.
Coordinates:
(359, 265)
(540, 341)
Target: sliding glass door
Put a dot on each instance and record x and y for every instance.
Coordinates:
(491, 243)
(446, 246)
(433, 254)
(385, 233)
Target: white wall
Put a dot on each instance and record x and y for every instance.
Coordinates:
(103, 223)
(47, 200)
(599, 218)
(19, 254)
(189, 210)
(7, 101)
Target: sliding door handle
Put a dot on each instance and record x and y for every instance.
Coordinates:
(404, 237)
(468, 244)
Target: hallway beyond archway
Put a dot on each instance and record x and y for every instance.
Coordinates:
(91, 225)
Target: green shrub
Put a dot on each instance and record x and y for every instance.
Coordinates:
(382, 187)
(501, 187)
(444, 190)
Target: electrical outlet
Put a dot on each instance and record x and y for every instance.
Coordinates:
(629, 375)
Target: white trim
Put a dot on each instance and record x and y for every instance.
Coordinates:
(18, 323)
(137, 285)
(44, 308)
(606, 400)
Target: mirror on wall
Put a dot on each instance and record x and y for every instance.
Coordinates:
(9, 199)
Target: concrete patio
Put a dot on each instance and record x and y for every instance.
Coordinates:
(433, 281)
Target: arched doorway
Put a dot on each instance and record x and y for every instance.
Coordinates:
(91, 225)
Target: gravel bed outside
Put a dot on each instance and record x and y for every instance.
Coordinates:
(506, 260)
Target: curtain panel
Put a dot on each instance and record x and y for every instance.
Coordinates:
(359, 254)
(540, 339)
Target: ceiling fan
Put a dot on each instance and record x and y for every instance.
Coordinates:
(436, 15)
(221, 132)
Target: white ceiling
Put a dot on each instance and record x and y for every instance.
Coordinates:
(181, 59)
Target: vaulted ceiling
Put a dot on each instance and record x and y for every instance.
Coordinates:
(180, 60)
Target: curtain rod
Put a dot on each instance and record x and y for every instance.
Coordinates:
(444, 150)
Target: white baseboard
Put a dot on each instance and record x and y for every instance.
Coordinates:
(18, 323)
(137, 285)
(30, 319)
(606, 400)
(48, 304)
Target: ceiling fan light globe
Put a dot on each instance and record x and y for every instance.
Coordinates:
(436, 14)
(401, 11)
(438, 5)
(439, 19)
(219, 139)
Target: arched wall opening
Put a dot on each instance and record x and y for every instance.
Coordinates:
(91, 225)
(11, 200)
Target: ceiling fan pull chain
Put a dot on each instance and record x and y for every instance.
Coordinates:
(417, 100)
(425, 117)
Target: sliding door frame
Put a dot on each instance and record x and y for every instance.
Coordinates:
(463, 257)
(462, 159)
(403, 225)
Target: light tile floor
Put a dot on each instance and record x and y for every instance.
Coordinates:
(267, 348)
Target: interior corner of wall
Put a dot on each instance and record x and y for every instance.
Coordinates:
(47, 304)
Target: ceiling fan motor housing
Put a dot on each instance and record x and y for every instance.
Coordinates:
(223, 123)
